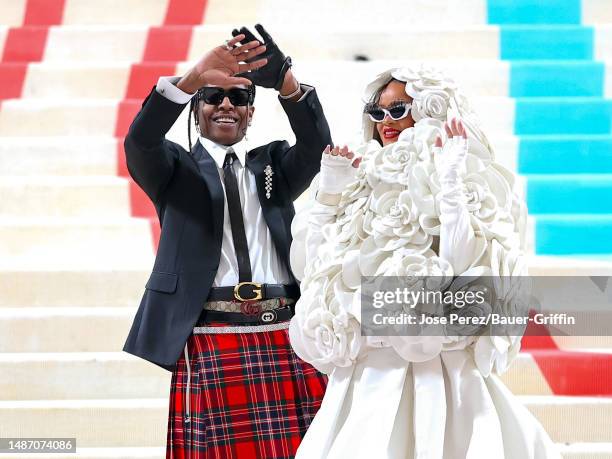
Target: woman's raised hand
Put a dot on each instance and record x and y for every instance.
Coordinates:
(449, 159)
(338, 169)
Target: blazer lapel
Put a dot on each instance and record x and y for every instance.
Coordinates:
(208, 170)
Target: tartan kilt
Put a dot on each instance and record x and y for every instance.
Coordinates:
(250, 397)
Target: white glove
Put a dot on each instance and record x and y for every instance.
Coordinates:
(338, 169)
(458, 243)
(449, 160)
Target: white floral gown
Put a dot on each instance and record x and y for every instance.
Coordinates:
(399, 397)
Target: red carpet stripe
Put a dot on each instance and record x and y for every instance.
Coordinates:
(25, 44)
(139, 207)
(575, 373)
(44, 12)
(12, 76)
(144, 75)
(537, 336)
(126, 112)
(568, 372)
(187, 12)
(165, 47)
(168, 43)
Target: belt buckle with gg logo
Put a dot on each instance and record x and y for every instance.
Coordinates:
(268, 317)
(250, 308)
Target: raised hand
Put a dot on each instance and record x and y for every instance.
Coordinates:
(449, 160)
(272, 74)
(219, 66)
(338, 169)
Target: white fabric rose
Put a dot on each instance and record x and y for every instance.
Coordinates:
(489, 201)
(415, 265)
(335, 336)
(325, 330)
(392, 221)
(424, 188)
(495, 352)
(430, 103)
(392, 164)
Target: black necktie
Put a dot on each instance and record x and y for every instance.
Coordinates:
(236, 219)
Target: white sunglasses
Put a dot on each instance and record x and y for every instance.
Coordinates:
(396, 113)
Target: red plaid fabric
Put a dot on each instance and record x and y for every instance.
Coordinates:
(251, 397)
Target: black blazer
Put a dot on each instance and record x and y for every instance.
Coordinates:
(188, 198)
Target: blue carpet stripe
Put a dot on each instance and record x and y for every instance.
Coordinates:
(565, 154)
(556, 78)
(563, 123)
(573, 234)
(546, 42)
(534, 11)
(569, 194)
(563, 116)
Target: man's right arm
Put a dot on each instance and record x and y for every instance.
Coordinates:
(150, 157)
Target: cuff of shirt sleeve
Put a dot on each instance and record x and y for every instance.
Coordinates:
(166, 86)
(305, 88)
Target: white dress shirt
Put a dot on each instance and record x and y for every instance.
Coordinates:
(266, 266)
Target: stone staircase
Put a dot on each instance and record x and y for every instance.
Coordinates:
(78, 238)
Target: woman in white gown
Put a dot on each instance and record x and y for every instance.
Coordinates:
(422, 196)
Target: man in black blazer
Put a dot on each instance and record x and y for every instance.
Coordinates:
(200, 261)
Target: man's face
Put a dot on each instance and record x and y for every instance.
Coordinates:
(225, 123)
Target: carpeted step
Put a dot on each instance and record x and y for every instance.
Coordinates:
(561, 372)
(586, 450)
(103, 80)
(109, 452)
(553, 412)
(568, 451)
(569, 194)
(562, 115)
(564, 154)
(574, 234)
(547, 41)
(74, 43)
(83, 329)
(59, 117)
(89, 117)
(548, 12)
(530, 12)
(98, 80)
(142, 422)
(74, 156)
(102, 374)
(61, 242)
(117, 422)
(94, 287)
(565, 78)
(82, 375)
(48, 196)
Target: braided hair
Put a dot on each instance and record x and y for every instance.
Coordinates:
(195, 104)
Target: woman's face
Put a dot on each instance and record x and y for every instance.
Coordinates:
(389, 129)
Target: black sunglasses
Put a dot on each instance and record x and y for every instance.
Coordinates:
(215, 96)
(396, 112)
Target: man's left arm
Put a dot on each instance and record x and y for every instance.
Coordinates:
(302, 161)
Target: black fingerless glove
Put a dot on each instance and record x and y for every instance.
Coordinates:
(273, 73)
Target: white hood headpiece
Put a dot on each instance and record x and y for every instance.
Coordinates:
(436, 96)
